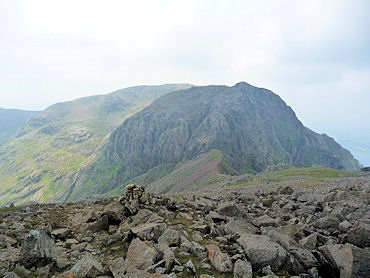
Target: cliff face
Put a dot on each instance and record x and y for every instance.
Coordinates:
(252, 126)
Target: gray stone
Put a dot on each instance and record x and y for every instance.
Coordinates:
(88, 266)
(348, 259)
(262, 252)
(170, 236)
(359, 234)
(61, 233)
(265, 220)
(140, 255)
(190, 266)
(166, 254)
(38, 249)
(149, 231)
(243, 269)
(99, 225)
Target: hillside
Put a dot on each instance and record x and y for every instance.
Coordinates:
(251, 126)
(10, 121)
(44, 160)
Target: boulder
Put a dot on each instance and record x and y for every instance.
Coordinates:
(38, 249)
(118, 269)
(100, 224)
(140, 255)
(61, 233)
(359, 234)
(286, 190)
(282, 239)
(265, 220)
(220, 261)
(300, 260)
(149, 231)
(170, 236)
(262, 252)
(87, 267)
(166, 254)
(7, 240)
(239, 227)
(123, 269)
(115, 212)
(329, 223)
(243, 269)
(348, 259)
(231, 209)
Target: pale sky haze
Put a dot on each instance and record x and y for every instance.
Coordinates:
(314, 54)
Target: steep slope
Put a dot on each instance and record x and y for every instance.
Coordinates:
(10, 121)
(252, 126)
(44, 161)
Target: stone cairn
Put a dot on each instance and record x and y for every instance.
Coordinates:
(134, 197)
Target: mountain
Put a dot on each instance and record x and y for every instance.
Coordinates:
(252, 127)
(10, 121)
(44, 160)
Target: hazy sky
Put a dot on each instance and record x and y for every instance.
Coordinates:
(314, 54)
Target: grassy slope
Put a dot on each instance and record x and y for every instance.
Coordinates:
(201, 173)
(44, 161)
(206, 173)
(307, 177)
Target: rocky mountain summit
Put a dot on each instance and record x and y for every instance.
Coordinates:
(251, 231)
(252, 128)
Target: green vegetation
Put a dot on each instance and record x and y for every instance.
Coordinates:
(306, 177)
(43, 163)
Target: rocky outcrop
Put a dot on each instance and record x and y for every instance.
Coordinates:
(251, 126)
(239, 232)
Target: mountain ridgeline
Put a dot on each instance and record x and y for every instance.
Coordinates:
(251, 127)
(43, 160)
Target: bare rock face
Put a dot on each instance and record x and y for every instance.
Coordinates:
(262, 251)
(221, 261)
(38, 249)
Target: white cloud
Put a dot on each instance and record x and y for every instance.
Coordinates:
(312, 53)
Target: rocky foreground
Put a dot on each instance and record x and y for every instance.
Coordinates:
(262, 231)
